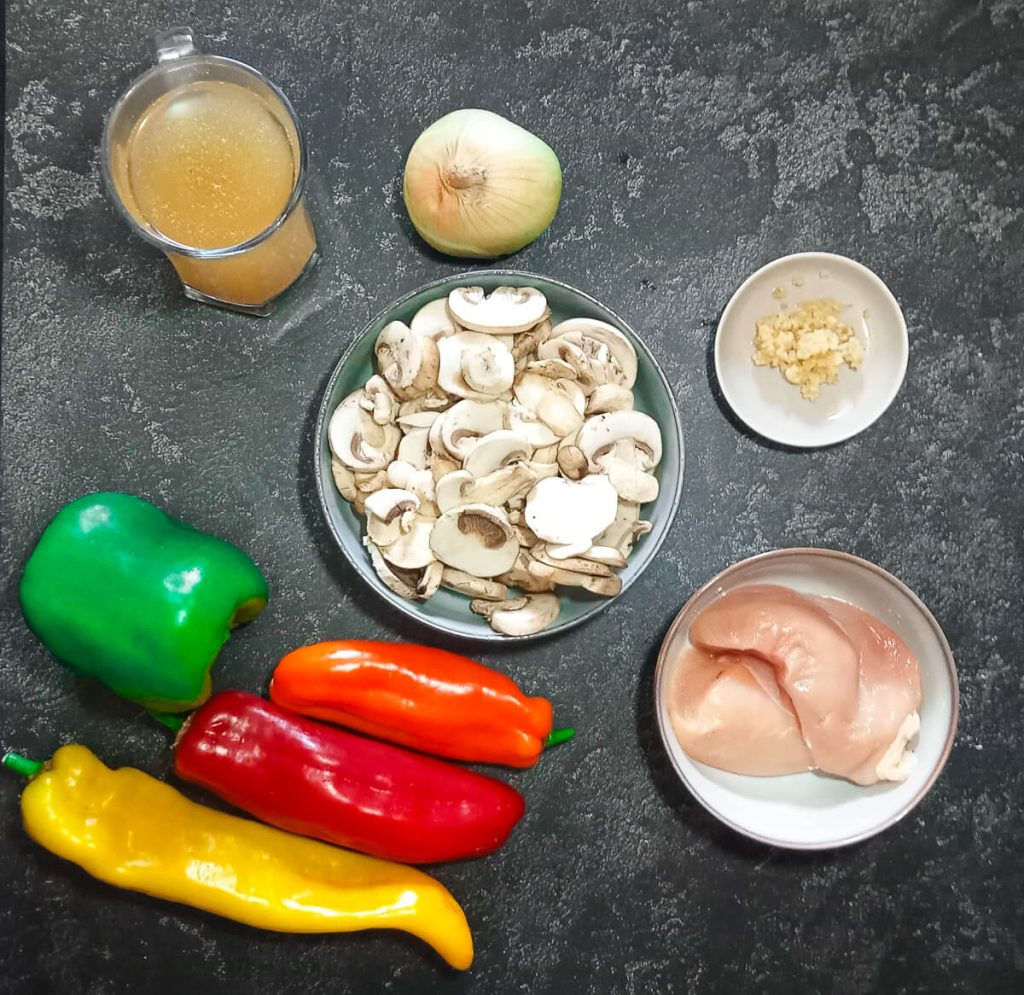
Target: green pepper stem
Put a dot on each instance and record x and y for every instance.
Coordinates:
(559, 736)
(21, 765)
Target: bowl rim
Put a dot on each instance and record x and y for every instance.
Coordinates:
(901, 327)
(411, 609)
(667, 736)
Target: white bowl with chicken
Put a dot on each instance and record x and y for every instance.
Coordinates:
(807, 698)
(498, 455)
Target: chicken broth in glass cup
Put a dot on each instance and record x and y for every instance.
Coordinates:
(204, 158)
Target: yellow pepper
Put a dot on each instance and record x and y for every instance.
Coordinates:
(136, 832)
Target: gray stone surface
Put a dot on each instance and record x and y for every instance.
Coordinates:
(699, 140)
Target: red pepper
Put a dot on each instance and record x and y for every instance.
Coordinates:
(319, 781)
(418, 696)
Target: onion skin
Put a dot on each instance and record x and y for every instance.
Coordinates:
(479, 186)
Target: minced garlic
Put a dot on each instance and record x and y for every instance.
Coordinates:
(809, 345)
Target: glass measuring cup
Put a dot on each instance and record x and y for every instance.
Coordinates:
(204, 158)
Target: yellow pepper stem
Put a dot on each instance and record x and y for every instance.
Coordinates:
(21, 765)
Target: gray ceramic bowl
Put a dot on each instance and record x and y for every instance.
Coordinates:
(448, 611)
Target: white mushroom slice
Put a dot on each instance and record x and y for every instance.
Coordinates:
(379, 400)
(417, 419)
(390, 512)
(427, 402)
(546, 454)
(558, 403)
(573, 356)
(487, 608)
(461, 487)
(408, 362)
(462, 426)
(521, 577)
(608, 555)
(563, 511)
(527, 343)
(612, 354)
(526, 536)
(539, 612)
(567, 552)
(430, 580)
(367, 483)
(412, 550)
(433, 320)
(543, 470)
(626, 528)
(609, 397)
(414, 448)
(607, 585)
(557, 369)
(574, 564)
(600, 433)
(344, 479)
(474, 587)
(357, 440)
(474, 365)
(407, 477)
(441, 464)
(504, 311)
(630, 482)
(571, 462)
(496, 449)
(396, 580)
(475, 538)
(525, 423)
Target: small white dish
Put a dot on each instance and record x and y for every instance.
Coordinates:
(812, 811)
(760, 395)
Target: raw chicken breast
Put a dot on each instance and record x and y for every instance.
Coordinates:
(728, 712)
(852, 683)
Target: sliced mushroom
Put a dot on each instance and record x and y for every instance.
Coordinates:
(417, 419)
(546, 454)
(526, 536)
(474, 587)
(625, 445)
(487, 607)
(474, 365)
(441, 464)
(407, 361)
(563, 511)
(433, 320)
(430, 401)
(573, 356)
(527, 424)
(521, 577)
(430, 580)
(357, 440)
(558, 403)
(608, 555)
(572, 462)
(415, 448)
(461, 487)
(611, 355)
(504, 311)
(609, 397)
(395, 579)
(539, 612)
(495, 450)
(407, 477)
(368, 483)
(574, 563)
(477, 539)
(625, 529)
(344, 479)
(379, 401)
(464, 424)
(389, 513)
(412, 549)
(543, 470)
(557, 369)
(607, 586)
(527, 343)
(567, 551)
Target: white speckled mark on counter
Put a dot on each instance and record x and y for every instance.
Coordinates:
(698, 140)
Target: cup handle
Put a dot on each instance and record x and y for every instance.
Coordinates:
(174, 43)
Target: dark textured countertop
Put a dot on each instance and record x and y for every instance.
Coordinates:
(698, 140)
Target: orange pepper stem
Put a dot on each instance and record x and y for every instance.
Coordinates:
(21, 765)
(559, 736)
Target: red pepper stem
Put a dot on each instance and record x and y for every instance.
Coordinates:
(21, 765)
(559, 736)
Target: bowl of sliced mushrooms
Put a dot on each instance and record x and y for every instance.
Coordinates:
(498, 455)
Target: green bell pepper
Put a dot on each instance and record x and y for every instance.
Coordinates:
(120, 591)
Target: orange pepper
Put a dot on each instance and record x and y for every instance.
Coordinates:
(418, 696)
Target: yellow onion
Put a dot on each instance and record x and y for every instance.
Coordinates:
(478, 185)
